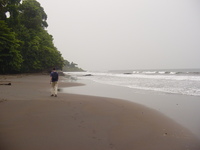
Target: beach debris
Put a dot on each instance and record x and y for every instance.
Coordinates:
(165, 134)
(5, 83)
(88, 75)
(2, 100)
(59, 89)
(111, 145)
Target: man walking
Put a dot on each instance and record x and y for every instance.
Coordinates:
(54, 82)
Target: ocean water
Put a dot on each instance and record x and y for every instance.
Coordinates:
(179, 81)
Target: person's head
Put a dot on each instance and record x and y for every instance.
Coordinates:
(54, 69)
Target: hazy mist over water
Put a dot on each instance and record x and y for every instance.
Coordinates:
(126, 34)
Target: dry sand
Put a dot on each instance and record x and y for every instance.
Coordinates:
(32, 120)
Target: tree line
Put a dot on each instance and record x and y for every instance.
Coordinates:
(71, 67)
(25, 45)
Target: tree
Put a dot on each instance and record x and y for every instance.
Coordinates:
(2, 10)
(71, 67)
(25, 44)
(12, 8)
(10, 57)
(32, 14)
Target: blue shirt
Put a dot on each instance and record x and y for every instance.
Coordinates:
(54, 76)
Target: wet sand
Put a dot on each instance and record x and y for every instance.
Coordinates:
(181, 108)
(31, 119)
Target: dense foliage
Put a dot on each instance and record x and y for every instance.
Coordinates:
(25, 45)
(70, 67)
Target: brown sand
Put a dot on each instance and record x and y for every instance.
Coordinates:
(32, 120)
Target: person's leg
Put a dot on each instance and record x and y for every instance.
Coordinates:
(52, 88)
(56, 88)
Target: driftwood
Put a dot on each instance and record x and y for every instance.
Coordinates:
(88, 75)
(2, 100)
(5, 83)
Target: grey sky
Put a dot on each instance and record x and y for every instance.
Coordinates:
(126, 34)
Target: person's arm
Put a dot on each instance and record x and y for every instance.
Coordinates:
(50, 78)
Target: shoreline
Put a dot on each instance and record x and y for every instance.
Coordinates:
(180, 108)
(31, 119)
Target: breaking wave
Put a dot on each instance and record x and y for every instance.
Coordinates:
(175, 82)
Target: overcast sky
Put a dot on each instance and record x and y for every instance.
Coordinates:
(126, 34)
